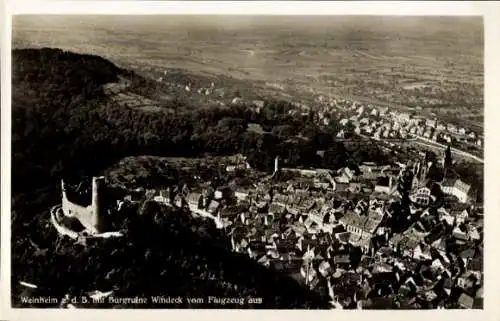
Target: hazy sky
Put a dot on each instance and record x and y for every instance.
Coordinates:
(252, 42)
(308, 22)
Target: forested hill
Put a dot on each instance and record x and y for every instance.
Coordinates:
(52, 91)
(58, 72)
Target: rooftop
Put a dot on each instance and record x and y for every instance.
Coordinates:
(456, 183)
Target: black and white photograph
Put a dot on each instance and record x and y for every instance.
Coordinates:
(247, 162)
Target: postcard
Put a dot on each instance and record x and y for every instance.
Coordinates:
(168, 161)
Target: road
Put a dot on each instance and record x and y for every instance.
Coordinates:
(432, 144)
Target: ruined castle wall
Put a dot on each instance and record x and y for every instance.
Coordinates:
(87, 215)
(84, 214)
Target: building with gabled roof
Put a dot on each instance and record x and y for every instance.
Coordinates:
(384, 185)
(457, 188)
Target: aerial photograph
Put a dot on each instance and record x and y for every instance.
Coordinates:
(247, 162)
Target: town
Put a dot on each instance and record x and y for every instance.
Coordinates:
(371, 236)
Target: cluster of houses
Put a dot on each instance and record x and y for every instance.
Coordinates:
(208, 89)
(343, 233)
(365, 119)
(379, 124)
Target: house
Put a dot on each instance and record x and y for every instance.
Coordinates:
(306, 205)
(324, 268)
(420, 130)
(280, 199)
(164, 197)
(422, 252)
(457, 188)
(345, 175)
(264, 260)
(408, 243)
(440, 127)
(218, 194)
(321, 184)
(213, 207)
(241, 194)
(473, 233)
(451, 128)
(437, 265)
(460, 215)
(361, 207)
(355, 187)
(421, 196)
(384, 185)
(277, 209)
(341, 187)
(468, 280)
(342, 261)
(223, 192)
(460, 234)
(440, 246)
(467, 255)
(403, 117)
(445, 216)
(361, 228)
(135, 196)
(195, 201)
(430, 123)
(363, 241)
(369, 171)
(178, 200)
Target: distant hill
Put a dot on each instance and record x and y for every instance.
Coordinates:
(58, 70)
(52, 91)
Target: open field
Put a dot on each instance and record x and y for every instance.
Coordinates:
(381, 58)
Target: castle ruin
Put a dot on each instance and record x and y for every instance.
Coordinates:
(90, 216)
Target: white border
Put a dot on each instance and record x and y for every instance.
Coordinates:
(253, 7)
(489, 10)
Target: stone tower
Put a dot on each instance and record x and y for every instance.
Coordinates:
(89, 215)
(96, 216)
(276, 164)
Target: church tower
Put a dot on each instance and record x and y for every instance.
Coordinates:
(423, 173)
(448, 161)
